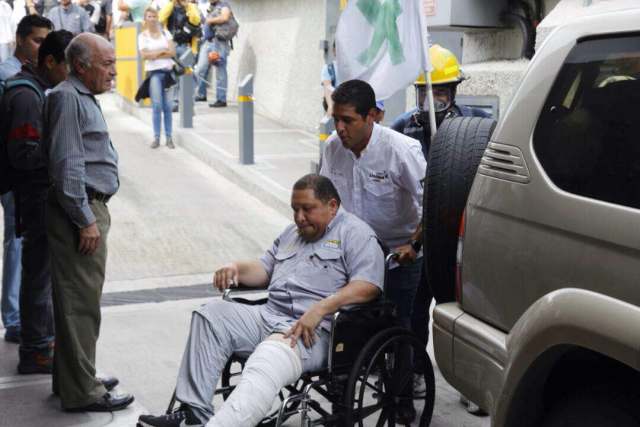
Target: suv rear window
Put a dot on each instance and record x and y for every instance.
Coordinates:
(588, 135)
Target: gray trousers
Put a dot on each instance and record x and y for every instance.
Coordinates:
(77, 288)
(220, 329)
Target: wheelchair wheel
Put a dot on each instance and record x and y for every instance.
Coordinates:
(380, 386)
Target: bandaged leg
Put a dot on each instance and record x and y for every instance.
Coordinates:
(273, 365)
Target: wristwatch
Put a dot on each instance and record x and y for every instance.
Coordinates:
(416, 245)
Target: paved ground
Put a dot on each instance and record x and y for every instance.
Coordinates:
(175, 220)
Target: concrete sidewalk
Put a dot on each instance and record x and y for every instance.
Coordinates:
(282, 154)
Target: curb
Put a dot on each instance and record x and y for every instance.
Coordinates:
(247, 177)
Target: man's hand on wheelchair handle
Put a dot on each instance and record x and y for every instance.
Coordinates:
(226, 277)
(305, 327)
(406, 254)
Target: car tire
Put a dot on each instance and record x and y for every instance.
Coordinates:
(452, 163)
(600, 407)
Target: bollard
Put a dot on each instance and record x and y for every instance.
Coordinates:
(245, 119)
(324, 131)
(186, 100)
(187, 88)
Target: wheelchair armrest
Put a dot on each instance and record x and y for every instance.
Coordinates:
(242, 289)
(375, 305)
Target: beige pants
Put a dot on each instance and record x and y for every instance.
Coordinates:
(77, 288)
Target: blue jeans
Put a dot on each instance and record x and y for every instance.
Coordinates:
(401, 289)
(180, 49)
(11, 268)
(202, 69)
(160, 102)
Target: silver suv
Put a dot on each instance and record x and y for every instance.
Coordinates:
(545, 329)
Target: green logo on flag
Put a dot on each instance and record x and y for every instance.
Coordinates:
(382, 16)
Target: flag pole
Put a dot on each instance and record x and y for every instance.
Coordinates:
(432, 112)
(427, 67)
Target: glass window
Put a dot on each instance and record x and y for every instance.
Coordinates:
(588, 135)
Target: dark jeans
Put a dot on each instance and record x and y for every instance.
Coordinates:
(401, 289)
(36, 309)
(420, 316)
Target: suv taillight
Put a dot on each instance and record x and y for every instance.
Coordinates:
(459, 258)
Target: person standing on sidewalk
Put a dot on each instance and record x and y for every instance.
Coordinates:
(182, 19)
(378, 173)
(22, 133)
(30, 33)
(157, 48)
(70, 17)
(217, 47)
(83, 170)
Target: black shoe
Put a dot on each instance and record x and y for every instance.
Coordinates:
(36, 362)
(200, 98)
(218, 104)
(405, 413)
(109, 382)
(175, 108)
(12, 335)
(175, 419)
(107, 403)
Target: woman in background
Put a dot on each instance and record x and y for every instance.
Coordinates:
(157, 48)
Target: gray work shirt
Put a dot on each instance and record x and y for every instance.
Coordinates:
(302, 273)
(73, 19)
(78, 148)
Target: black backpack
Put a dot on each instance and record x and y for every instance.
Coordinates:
(6, 171)
(180, 27)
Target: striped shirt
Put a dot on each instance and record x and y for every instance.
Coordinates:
(79, 150)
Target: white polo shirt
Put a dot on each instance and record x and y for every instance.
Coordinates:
(383, 187)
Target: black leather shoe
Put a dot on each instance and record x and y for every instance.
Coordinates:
(109, 382)
(200, 98)
(107, 403)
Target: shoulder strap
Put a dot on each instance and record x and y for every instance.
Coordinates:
(24, 82)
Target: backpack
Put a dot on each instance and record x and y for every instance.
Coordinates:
(227, 30)
(180, 27)
(6, 171)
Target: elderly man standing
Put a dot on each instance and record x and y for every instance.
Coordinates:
(83, 168)
(70, 17)
(327, 260)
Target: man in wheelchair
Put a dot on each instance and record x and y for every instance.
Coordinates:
(327, 260)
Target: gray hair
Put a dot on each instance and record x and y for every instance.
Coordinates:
(80, 51)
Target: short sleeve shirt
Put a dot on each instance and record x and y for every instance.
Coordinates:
(383, 186)
(136, 9)
(302, 273)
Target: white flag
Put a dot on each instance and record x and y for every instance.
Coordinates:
(383, 42)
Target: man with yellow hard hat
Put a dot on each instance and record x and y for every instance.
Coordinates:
(445, 77)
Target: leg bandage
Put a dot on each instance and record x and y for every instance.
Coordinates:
(270, 367)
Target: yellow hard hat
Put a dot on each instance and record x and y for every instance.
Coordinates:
(446, 68)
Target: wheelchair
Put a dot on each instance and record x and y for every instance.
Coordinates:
(369, 375)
